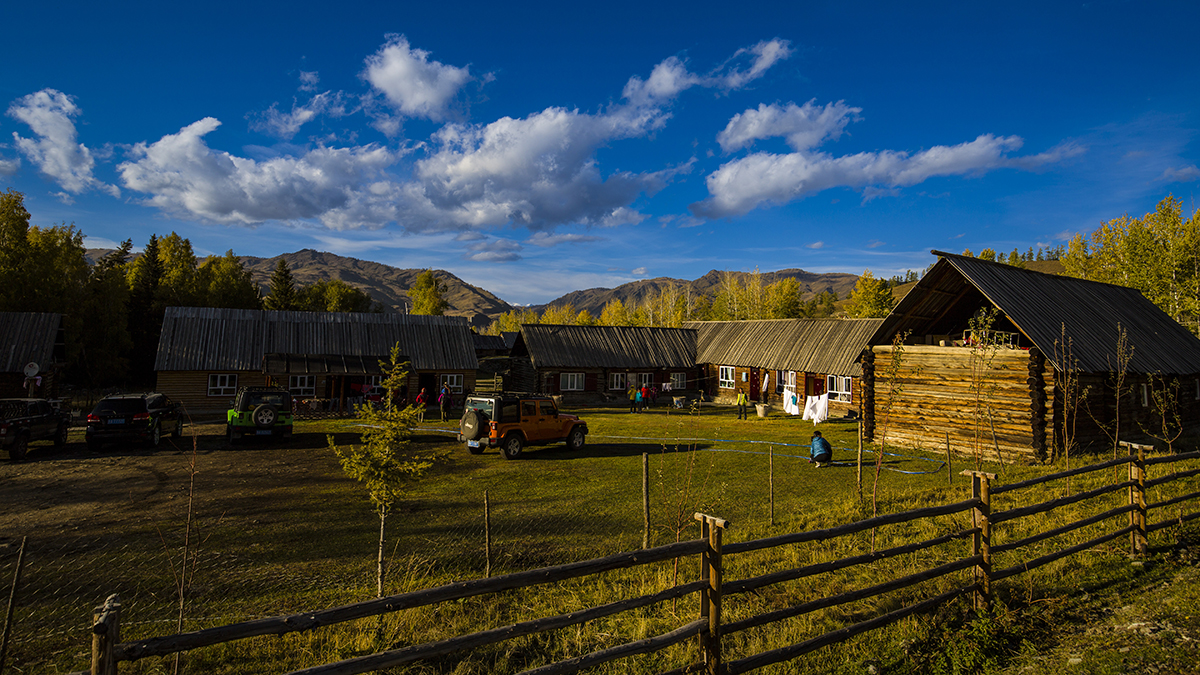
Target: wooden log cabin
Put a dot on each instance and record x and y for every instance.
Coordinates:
(592, 364)
(326, 359)
(813, 356)
(1042, 378)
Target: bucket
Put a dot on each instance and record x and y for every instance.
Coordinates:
(762, 409)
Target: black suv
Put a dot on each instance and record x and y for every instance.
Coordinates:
(259, 411)
(140, 417)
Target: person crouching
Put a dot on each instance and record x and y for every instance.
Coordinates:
(822, 452)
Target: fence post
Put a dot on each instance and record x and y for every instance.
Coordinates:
(1138, 542)
(981, 490)
(645, 500)
(487, 536)
(710, 596)
(106, 633)
(771, 479)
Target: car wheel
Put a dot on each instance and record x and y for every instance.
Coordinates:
(60, 439)
(575, 439)
(264, 416)
(512, 446)
(155, 435)
(18, 448)
(478, 450)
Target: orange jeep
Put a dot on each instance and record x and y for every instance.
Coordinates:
(512, 421)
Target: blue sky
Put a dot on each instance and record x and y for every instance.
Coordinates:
(547, 147)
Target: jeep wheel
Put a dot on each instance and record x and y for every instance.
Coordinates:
(17, 449)
(478, 450)
(512, 446)
(264, 416)
(575, 439)
(472, 425)
(155, 435)
(60, 438)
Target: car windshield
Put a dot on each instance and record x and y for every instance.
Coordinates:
(120, 406)
(484, 405)
(271, 398)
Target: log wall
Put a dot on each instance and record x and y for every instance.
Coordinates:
(936, 397)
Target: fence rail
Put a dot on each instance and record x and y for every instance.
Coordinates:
(709, 628)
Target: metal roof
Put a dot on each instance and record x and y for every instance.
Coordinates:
(829, 346)
(324, 364)
(553, 346)
(1043, 306)
(492, 342)
(28, 337)
(206, 338)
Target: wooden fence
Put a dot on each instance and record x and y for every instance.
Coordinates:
(711, 589)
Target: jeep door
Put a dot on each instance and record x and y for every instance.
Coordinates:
(549, 426)
(531, 422)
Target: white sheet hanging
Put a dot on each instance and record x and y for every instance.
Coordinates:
(816, 408)
(791, 402)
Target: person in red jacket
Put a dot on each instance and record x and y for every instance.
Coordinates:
(421, 402)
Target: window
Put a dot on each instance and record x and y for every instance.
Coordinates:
(570, 381)
(223, 384)
(616, 381)
(780, 381)
(839, 388)
(547, 408)
(645, 379)
(725, 378)
(1145, 396)
(302, 385)
(678, 381)
(454, 381)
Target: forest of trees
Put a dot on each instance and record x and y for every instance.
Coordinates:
(113, 309)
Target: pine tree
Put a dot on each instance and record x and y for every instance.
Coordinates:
(283, 296)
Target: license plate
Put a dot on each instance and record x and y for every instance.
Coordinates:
(472, 444)
(116, 421)
(263, 432)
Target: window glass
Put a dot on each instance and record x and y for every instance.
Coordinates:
(222, 384)
(528, 408)
(483, 405)
(509, 411)
(548, 408)
(725, 378)
(678, 381)
(570, 381)
(454, 381)
(617, 381)
(121, 406)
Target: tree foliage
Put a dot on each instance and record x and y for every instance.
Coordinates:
(283, 295)
(870, 299)
(426, 293)
(387, 459)
(225, 282)
(334, 295)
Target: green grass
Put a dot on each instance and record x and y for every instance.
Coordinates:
(274, 551)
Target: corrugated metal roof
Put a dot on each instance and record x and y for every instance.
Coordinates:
(829, 346)
(1042, 306)
(206, 338)
(552, 346)
(27, 337)
(321, 364)
(493, 342)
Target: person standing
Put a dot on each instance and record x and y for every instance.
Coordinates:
(637, 400)
(822, 452)
(444, 399)
(645, 396)
(632, 398)
(422, 402)
(742, 401)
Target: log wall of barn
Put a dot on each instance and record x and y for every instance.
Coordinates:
(936, 396)
(191, 389)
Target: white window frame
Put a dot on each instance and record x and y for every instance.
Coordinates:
(839, 388)
(302, 385)
(678, 381)
(725, 377)
(222, 384)
(617, 381)
(570, 381)
(645, 380)
(452, 380)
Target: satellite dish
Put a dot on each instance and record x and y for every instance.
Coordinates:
(31, 369)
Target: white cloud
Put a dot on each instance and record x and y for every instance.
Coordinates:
(494, 250)
(411, 82)
(639, 271)
(184, 176)
(547, 240)
(56, 151)
(766, 54)
(816, 245)
(9, 166)
(763, 178)
(287, 125)
(804, 126)
(671, 77)
(309, 80)
(1181, 174)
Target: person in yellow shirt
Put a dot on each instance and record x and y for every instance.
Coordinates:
(742, 401)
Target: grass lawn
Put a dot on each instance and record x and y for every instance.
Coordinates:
(302, 536)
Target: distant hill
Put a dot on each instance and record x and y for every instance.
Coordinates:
(386, 284)
(594, 299)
